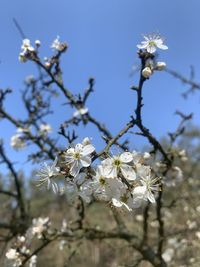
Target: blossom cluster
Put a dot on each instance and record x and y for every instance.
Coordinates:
(18, 140)
(150, 44)
(19, 252)
(124, 180)
(21, 249)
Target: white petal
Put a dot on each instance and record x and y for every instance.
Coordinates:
(107, 161)
(83, 111)
(79, 179)
(69, 159)
(137, 202)
(55, 162)
(75, 168)
(55, 187)
(146, 38)
(85, 161)
(88, 149)
(116, 202)
(86, 141)
(110, 171)
(139, 191)
(142, 46)
(151, 49)
(162, 46)
(70, 151)
(78, 147)
(126, 157)
(151, 197)
(128, 172)
(76, 113)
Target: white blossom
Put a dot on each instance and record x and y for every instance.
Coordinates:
(26, 46)
(121, 196)
(139, 195)
(39, 226)
(33, 261)
(146, 155)
(145, 191)
(17, 142)
(168, 254)
(56, 44)
(22, 57)
(25, 49)
(14, 257)
(12, 254)
(100, 184)
(78, 157)
(152, 42)
(23, 130)
(80, 112)
(47, 173)
(174, 175)
(121, 163)
(45, 128)
(151, 186)
(30, 79)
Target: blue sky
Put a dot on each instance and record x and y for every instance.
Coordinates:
(102, 36)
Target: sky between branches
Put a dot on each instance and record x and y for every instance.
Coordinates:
(102, 36)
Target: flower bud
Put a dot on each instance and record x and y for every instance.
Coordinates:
(146, 155)
(22, 57)
(37, 43)
(160, 65)
(47, 64)
(146, 72)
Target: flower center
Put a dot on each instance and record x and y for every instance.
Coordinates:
(102, 180)
(117, 163)
(77, 155)
(152, 43)
(124, 198)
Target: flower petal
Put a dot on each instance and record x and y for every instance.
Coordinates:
(128, 172)
(116, 202)
(151, 197)
(142, 46)
(126, 157)
(151, 49)
(75, 168)
(87, 150)
(162, 46)
(85, 161)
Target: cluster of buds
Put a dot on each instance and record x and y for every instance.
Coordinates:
(150, 45)
(30, 52)
(27, 50)
(58, 46)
